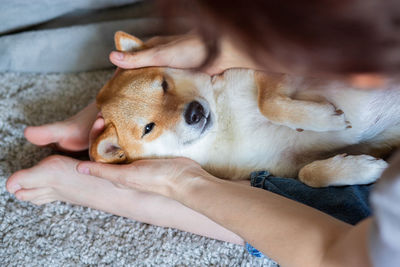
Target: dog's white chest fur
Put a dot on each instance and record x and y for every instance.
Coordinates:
(243, 140)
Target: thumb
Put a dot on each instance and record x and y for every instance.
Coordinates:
(186, 52)
(44, 134)
(144, 58)
(114, 173)
(97, 129)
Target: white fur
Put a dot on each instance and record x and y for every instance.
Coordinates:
(242, 140)
(127, 44)
(343, 170)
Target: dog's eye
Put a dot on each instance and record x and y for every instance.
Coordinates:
(148, 128)
(164, 86)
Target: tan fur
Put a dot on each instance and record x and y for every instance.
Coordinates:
(155, 106)
(119, 35)
(241, 139)
(275, 103)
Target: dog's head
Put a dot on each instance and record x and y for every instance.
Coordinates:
(151, 112)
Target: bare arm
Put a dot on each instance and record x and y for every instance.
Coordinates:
(289, 232)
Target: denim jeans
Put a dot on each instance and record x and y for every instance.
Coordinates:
(346, 203)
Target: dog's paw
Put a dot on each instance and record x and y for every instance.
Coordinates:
(342, 170)
(303, 115)
(324, 117)
(367, 166)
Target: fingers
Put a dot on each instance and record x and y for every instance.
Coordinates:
(41, 174)
(140, 175)
(37, 194)
(44, 134)
(70, 135)
(160, 40)
(24, 179)
(148, 57)
(97, 129)
(65, 136)
(113, 173)
(186, 52)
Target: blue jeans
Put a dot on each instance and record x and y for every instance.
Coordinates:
(346, 203)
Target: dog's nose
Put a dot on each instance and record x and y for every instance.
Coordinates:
(194, 112)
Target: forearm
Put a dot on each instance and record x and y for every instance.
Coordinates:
(287, 231)
(156, 210)
(350, 247)
(162, 211)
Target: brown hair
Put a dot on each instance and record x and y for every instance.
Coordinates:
(327, 36)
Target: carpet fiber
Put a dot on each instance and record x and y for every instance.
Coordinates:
(60, 234)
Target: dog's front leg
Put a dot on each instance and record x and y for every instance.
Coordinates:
(276, 105)
(342, 170)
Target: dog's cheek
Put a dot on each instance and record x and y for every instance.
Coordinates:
(133, 152)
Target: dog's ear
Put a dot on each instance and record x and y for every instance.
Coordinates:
(106, 148)
(127, 43)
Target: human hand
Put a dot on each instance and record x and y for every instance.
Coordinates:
(71, 134)
(55, 178)
(183, 51)
(166, 177)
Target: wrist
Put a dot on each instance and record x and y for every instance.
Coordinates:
(195, 181)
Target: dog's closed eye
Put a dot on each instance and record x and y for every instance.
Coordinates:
(148, 128)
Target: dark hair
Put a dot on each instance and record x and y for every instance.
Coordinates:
(327, 36)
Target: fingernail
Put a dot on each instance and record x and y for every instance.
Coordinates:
(84, 170)
(14, 188)
(118, 55)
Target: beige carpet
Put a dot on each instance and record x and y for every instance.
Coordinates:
(59, 234)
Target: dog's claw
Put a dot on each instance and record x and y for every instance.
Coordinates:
(339, 112)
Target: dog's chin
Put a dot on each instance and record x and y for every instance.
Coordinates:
(207, 124)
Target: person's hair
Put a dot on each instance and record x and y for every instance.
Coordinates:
(328, 36)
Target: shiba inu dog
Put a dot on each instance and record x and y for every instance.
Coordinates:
(322, 132)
